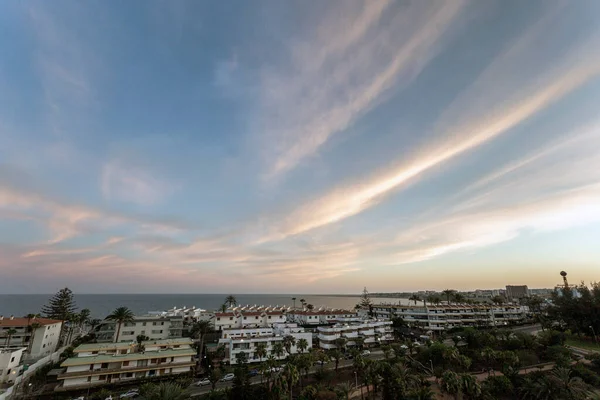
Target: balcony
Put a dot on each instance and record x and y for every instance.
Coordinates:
(104, 371)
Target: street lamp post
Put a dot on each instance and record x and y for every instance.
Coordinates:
(356, 379)
(595, 337)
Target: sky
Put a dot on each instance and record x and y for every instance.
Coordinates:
(298, 146)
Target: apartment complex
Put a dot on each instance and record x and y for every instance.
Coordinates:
(10, 358)
(189, 314)
(318, 317)
(441, 317)
(101, 363)
(154, 327)
(40, 341)
(370, 331)
(249, 317)
(516, 292)
(245, 340)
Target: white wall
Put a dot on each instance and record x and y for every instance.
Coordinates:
(9, 362)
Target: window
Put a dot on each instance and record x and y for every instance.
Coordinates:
(231, 318)
(12, 360)
(102, 377)
(104, 365)
(269, 317)
(129, 375)
(218, 318)
(126, 363)
(245, 318)
(143, 324)
(94, 352)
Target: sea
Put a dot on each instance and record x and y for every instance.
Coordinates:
(102, 305)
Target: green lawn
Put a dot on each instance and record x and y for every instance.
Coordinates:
(583, 344)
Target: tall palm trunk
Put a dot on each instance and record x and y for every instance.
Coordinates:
(118, 331)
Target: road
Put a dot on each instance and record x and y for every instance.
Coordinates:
(197, 391)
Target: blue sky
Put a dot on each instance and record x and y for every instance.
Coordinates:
(298, 146)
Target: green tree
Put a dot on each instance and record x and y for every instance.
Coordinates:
(9, 334)
(448, 293)
(291, 377)
(277, 349)
(340, 343)
(140, 339)
(231, 301)
(214, 376)
(499, 300)
(336, 355)
(60, 306)
(84, 317)
(33, 329)
(121, 315)
(451, 383)
(288, 342)
(414, 298)
(163, 391)
(199, 331)
(302, 345)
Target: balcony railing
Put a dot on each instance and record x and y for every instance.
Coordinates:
(105, 371)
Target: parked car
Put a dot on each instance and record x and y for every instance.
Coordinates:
(322, 362)
(275, 369)
(227, 378)
(253, 372)
(109, 397)
(203, 382)
(130, 394)
(80, 398)
(366, 353)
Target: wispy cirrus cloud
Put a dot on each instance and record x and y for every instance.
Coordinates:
(343, 68)
(122, 181)
(459, 129)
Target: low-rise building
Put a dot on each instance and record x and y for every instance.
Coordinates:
(39, 335)
(10, 358)
(249, 317)
(318, 317)
(371, 332)
(441, 317)
(245, 340)
(154, 327)
(102, 363)
(189, 315)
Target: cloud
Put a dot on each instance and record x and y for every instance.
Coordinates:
(458, 130)
(129, 183)
(345, 70)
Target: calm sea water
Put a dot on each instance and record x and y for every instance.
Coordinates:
(103, 304)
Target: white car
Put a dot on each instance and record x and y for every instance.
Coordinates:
(80, 398)
(366, 353)
(203, 382)
(227, 378)
(130, 394)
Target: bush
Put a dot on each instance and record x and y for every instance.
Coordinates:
(497, 386)
(528, 357)
(586, 374)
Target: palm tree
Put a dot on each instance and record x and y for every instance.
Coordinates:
(302, 345)
(337, 355)
(223, 307)
(340, 343)
(94, 323)
(459, 298)
(303, 302)
(291, 376)
(231, 301)
(448, 293)
(121, 315)
(9, 334)
(571, 387)
(83, 317)
(214, 376)
(294, 300)
(163, 391)
(199, 331)
(310, 307)
(343, 390)
(414, 298)
(451, 383)
(139, 339)
(288, 342)
(277, 349)
(499, 300)
(261, 351)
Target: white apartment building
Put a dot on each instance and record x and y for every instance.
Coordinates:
(102, 363)
(10, 358)
(245, 340)
(249, 317)
(155, 327)
(372, 332)
(189, 315)
(318, 317)
(441, 317)
(40, 342)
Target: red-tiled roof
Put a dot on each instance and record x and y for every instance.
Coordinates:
(227, 314)
(247, 314)
(15, 322)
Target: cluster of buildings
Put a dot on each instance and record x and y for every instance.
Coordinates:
(121, 354)
(448, 316)
(25, 340)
